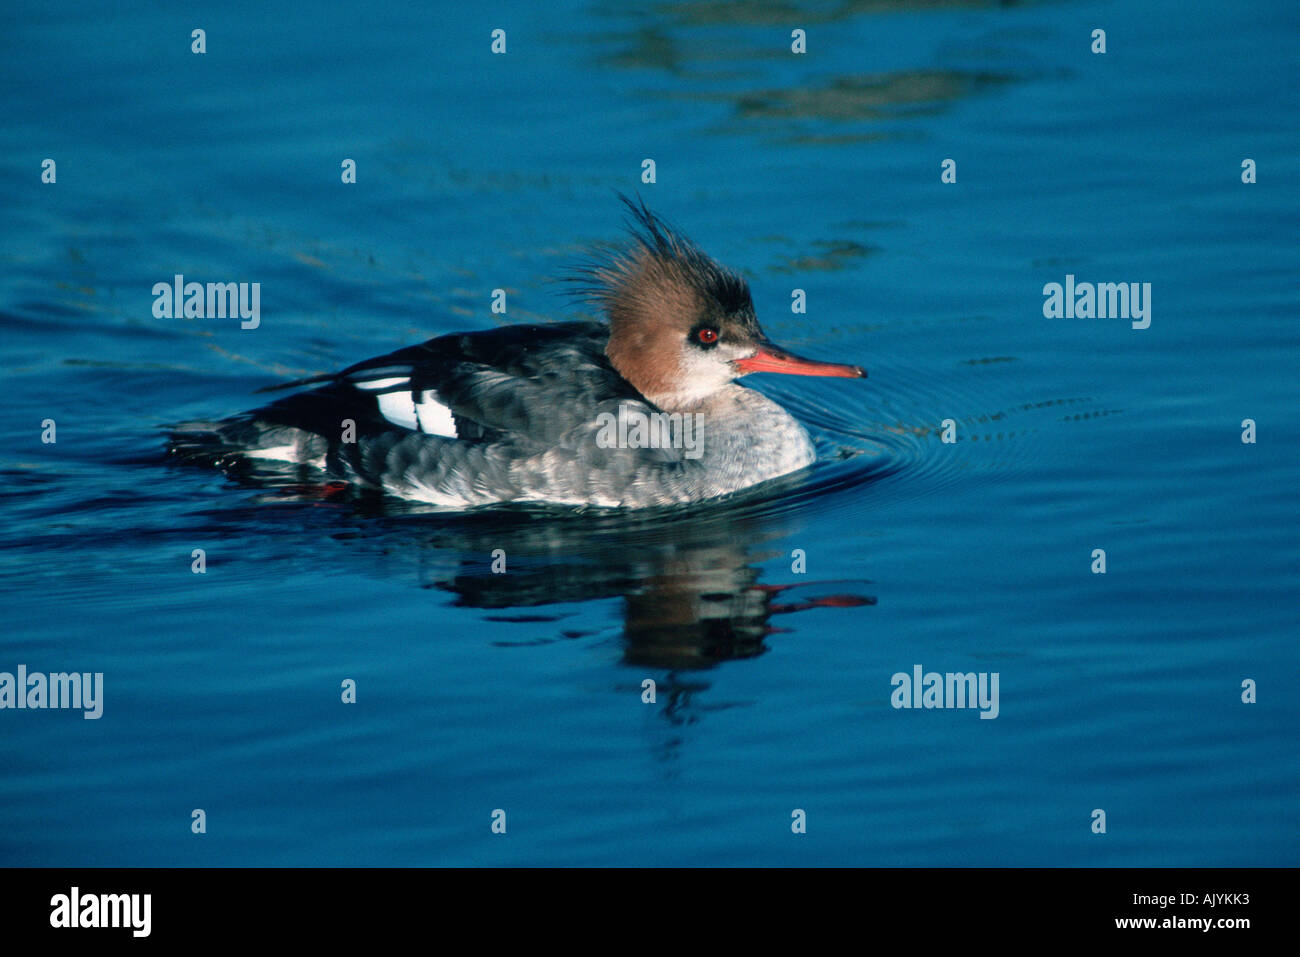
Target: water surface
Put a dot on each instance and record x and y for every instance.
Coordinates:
(771, 625)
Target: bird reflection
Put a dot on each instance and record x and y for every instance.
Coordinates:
(689, 580)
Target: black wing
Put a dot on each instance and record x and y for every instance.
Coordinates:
(530, 381)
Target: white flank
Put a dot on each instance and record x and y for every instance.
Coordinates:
(284, 453)
(278, 453)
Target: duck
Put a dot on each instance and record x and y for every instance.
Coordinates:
(638, 408)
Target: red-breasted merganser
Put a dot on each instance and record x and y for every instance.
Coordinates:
(638, 411)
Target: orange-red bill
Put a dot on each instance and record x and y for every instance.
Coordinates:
(769, 358)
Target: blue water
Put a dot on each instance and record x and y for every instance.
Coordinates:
(522, 691)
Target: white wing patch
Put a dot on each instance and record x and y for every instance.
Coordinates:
(374, 385)
(435, 418)
(398, 409)
(396, 405)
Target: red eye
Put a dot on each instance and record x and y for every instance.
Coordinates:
(708, 336)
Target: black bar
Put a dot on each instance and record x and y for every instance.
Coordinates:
(336, 906)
